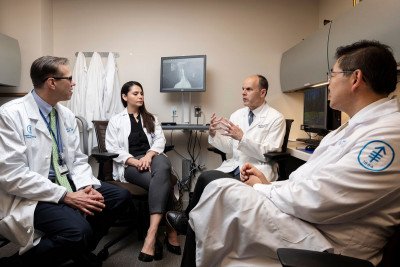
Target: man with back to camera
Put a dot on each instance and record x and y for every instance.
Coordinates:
(345, 199)
(51, 205)
(251, 132)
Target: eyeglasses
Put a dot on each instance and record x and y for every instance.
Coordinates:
(63, 78)
(60, 78)
(337, 72)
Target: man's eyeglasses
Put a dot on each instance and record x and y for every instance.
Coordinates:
(60, 78)
(337, 72)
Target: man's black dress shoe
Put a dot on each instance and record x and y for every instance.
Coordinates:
(178, 220)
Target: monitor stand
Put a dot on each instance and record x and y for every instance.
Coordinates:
(186, 100)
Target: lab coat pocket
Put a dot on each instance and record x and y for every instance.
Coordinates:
(289, 228)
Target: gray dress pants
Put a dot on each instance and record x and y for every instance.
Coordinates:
(157, 182)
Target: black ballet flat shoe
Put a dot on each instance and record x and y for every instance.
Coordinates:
(172, 248)
(158, 251)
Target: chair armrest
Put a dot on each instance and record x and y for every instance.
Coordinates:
(290, 257)
(168, 148)
(104, 156)
(276, 156)
(219, 152)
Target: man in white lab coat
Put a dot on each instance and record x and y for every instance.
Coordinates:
(250, 132)
(345, 199)
(51, 205)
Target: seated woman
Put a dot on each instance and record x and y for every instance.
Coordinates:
(136, 135)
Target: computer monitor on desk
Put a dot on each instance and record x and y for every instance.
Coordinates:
(318, 117)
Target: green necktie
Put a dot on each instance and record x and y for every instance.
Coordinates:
(60, 179)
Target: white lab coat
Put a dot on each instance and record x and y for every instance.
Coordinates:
(118, 130)
(340, 199)
(77, 102)
(94, 96)
(112, 95)
(265, 134)
(25, 162)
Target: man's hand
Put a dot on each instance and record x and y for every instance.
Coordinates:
(87, 200)
(214, 125)
(251, 175)
(233, 130)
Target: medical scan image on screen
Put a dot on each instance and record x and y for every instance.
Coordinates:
(183, 74)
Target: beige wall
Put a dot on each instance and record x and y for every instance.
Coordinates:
(239, 38)
(330, 9)
(30, 22)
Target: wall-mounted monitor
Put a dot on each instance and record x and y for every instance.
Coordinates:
(183, 74)
(318, 117)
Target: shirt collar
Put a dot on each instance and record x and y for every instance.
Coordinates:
(258, 110)
(44, 107)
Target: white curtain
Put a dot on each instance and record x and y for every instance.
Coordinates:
(79, 74)
(112, 100)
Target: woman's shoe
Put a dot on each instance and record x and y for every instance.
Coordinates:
(158, 253)
(171, 248)
(145, 257)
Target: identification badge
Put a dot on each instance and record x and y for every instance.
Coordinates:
(63, 169)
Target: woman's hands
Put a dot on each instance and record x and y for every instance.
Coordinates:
(250, 175)
(144, 163)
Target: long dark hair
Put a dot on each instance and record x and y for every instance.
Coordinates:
(148, 118)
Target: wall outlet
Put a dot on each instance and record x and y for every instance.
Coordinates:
(197, 111)
(174, 113)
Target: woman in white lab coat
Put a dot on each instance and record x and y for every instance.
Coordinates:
(137, 136)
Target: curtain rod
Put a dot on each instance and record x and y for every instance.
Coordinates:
(102, 54)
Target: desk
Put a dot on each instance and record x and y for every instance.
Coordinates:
(190, 127)
(296, 153)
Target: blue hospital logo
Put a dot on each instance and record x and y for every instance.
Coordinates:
(28, 132)
(376, 156)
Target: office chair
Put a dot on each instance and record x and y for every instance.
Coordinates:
(290, 257)
(279, 157)
(83, 133)
(137, 216)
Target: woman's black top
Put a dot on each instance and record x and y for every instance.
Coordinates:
(137, 139)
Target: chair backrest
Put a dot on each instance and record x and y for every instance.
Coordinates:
(83, 133)
(100, 128)
(287, 132)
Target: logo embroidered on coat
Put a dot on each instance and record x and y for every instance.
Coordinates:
(376, 156)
